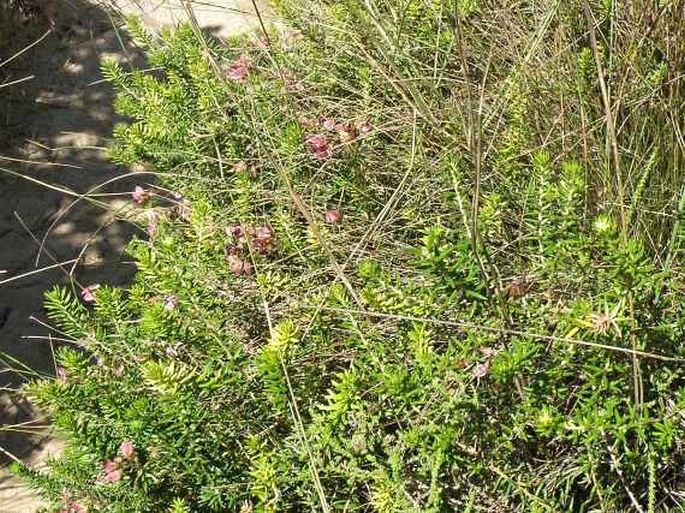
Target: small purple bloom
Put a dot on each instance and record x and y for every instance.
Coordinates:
(333, 216)
(238, 265)
(139, 194)
(235, 231)
(127, 449)
(173, 351)
(151, 229)
(112, 472)
(319, 146)
(239, 69)
(170, 302)
(88, 293)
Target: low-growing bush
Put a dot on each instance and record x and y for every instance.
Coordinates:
(402, 256)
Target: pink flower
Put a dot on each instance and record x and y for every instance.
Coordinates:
(112, 472)
(239, 266)
(333, 216)
(328, 124)
(264, 232)
(170, 302)
(151, 229)
(236, 264)
(152, 218)
(139, 194)
(73, 507)
(238, 70)
(61, 375)
(88, 293)
(262, 239)
(110, 466)
(114, 476)
(235, 231)
(319, 146)
(127, 449)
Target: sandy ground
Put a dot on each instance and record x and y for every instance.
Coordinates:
(53, 128)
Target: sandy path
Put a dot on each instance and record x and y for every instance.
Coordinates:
(57, 124)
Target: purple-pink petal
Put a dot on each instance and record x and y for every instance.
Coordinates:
(139, 194)
(88, 293)
(127, 449)
(170, 303)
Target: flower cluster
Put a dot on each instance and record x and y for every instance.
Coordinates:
(88, 293)
(70, 505)
(257, 239)
(152, 220)
(333, 216)
(62, 375)
(112, 470)
(319, 146)
(140, 195)
(180, 209)
(319, 143)
(239, 69)
(170, 302)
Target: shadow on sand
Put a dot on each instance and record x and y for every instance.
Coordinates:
(55, 116)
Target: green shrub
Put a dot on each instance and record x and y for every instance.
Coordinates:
(392, 265)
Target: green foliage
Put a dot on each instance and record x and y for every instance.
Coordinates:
(394, 275)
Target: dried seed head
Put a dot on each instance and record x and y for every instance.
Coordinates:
(240, 166)
(347, 133)
(480, 370)
(601, 323)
